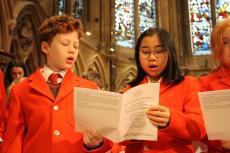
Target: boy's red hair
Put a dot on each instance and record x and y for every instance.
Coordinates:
(58, 25)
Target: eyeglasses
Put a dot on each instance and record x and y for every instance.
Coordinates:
(158, 52)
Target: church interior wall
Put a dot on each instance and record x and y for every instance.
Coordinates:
(20, 20)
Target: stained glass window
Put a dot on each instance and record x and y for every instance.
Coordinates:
(61, 7)
(147, 14)
(77, 8)
(222, 10)
(200, 26)
(124, 22)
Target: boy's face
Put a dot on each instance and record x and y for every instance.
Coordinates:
(62, 52)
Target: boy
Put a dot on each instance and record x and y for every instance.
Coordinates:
(41, 113)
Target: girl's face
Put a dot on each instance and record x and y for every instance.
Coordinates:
(16, 72)
(153, 56)
(225, 56)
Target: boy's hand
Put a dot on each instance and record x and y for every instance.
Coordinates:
(226, 144)
(159, 116)
(92, 139)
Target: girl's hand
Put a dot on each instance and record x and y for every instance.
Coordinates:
(91, 138)
(159, 115)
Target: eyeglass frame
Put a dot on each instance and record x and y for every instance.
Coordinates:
(158, 52)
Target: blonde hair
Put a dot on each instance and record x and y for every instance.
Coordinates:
(217, 40)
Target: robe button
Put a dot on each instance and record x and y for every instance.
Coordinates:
(146, 148)
(56, 133)
(55, 108)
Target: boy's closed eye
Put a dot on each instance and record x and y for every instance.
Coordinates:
(65, 43)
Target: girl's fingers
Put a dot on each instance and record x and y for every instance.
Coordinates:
(158, 108)
(158, 114)
(157, 119)
(159, 124)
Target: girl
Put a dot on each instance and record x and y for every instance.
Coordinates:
(178, 116)
(219, 78)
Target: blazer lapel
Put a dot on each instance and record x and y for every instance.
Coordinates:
(164, 87)
(225, 80)
(224, 77)
(68, 83)
(38, 83)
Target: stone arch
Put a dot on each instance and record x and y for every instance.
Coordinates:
(96, 73)
(5, 24)
(24, 43)
(79, 66)
(126, 76)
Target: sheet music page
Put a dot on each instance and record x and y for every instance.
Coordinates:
(216, 111)
(97, 109)
(134, 123)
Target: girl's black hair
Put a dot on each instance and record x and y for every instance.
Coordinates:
(171, 73)
(14, 63)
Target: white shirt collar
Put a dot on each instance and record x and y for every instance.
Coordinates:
(46, 71)
(159, 80)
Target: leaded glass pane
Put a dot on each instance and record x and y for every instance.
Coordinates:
(200, 26)
(222, 10)
(61, 7)
(124, 22)
(147, 14)
(77, 8)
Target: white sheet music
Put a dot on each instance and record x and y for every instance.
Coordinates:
(216, 111)
(117, 116)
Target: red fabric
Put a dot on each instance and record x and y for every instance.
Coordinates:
(35, 115)
(117, 148)
(3, 110)
(186, 122)
(219, 79)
